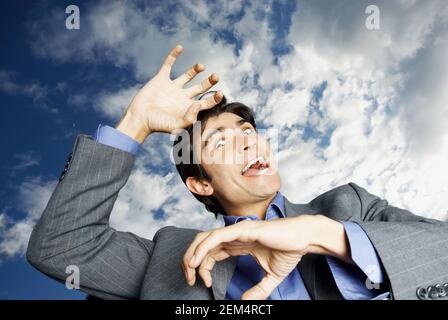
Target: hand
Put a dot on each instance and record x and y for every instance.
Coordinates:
(277, 246)
(164, 105)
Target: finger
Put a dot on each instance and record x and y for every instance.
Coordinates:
(238, 247)
(169, 60)
(210, 243)
(203, 86)
(237, 231)
(209, 262)
(184, 271)
(189, 75)
(219, 254)
(191, 114)
(212, 101)
(191, 272)
(263, 289)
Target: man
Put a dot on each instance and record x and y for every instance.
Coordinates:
(344, 244)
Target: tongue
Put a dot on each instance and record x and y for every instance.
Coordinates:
(254, 169)
(251, 172)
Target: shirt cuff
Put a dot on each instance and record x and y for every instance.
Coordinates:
(360, 281)
(363, 253)
(114, 138)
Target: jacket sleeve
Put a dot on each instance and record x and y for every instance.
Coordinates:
(413, 249)
(74, 230)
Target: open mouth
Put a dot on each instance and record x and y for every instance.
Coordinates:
(255, 167)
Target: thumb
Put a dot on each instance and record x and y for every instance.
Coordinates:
(263, 289)
(192, 112)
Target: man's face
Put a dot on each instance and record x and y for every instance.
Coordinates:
(238, 160)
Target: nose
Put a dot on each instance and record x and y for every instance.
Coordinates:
(248, 146)
(247, 143)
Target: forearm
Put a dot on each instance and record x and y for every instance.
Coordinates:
(328, 237)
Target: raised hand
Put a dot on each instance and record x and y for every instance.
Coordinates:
(164, 105)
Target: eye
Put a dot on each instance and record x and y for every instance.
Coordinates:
(220, 143)
(247, 131)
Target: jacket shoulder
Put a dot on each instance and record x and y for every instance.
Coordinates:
(174, 232)
(341, 202)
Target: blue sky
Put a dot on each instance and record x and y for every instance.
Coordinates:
(334, 90)
(33, 138)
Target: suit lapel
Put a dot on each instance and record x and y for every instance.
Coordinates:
(222, 274)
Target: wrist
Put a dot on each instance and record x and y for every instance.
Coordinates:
(328, 237)
(133, 127)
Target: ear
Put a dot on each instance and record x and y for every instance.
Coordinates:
(200, 187)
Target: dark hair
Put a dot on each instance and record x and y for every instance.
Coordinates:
(193, 168)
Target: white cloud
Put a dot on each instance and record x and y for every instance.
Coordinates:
(14, 240)
(380, 121)
(384, 102)
(285, 109)
(135, 211)
(114, 104)
(32, 197)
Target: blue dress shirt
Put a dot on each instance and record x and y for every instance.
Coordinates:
(352, 281)
(114, 138)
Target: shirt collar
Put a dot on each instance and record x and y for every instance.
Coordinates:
(276, 209)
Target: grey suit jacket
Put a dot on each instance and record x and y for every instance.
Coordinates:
(74, 230)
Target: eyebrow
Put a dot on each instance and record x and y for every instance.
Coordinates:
(221, 129)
